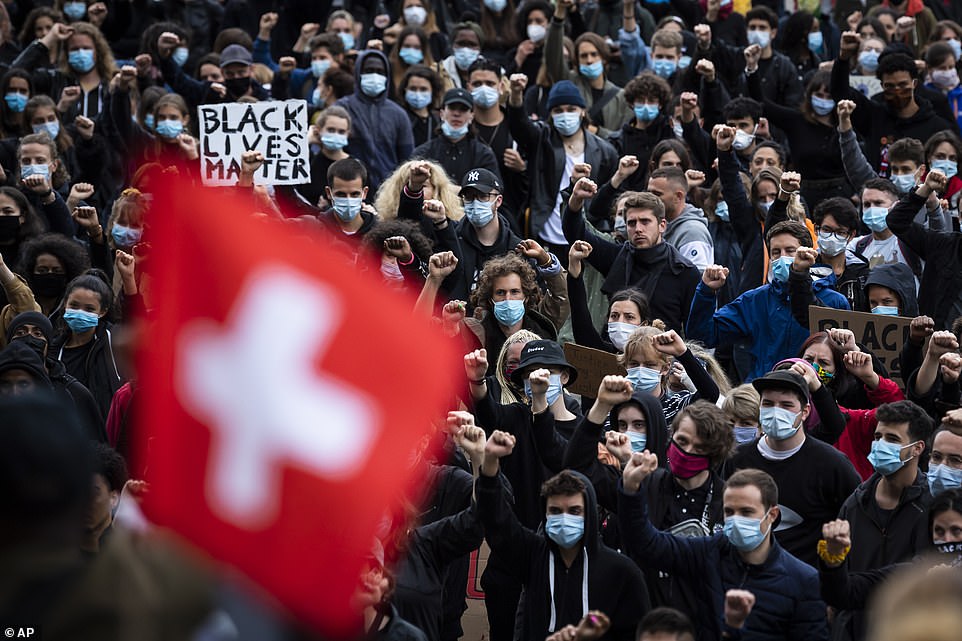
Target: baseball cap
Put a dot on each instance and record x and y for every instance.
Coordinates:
(782, 380)
(232, 54)
(458, 97)
(542, 353)
(482, 180)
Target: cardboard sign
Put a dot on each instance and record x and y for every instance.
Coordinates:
(592, 365)
(276, 129)
(883, 335)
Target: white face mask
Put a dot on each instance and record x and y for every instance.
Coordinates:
(536, 32)
(415, 16)
(743, 139)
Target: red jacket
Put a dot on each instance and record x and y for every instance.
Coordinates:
(856, 441)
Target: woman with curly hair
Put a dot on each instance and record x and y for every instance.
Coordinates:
(49, 262)
(402, 252)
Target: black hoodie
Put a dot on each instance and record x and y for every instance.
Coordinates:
(19, 355)
(614, 583)
(899, 278)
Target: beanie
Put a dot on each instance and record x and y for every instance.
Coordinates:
(565, 93)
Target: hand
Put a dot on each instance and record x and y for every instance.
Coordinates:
(218, 89)
(837, 535)
(420, 174)
(807, 372)
(849, 45)
(844, 338)
(86, 218)
(921, 328)
(669, 343)
(950, 364)
(639, 466)
(805, 257)
(714, 277)
(531, 249)
(791, 181)
(476, 363)
(382, 21)
(853, 19)
(70, 95)
(753, 53)
(309, 30)
(514, 161)
(845, 109)
(97, 13)
(577, 253)
(953, 417)
(539, 380)
(860, 366)
(689, 103)
(561, 8)
(525, 49)
(706, 69)
(251, 161)
(613, 390)
(399, 247)
(58, 33)
(434, 211)
(267, 23)
(166, 43)
(763, 131)
(467, 435)
(134, 489)
(619, 445)
(79, 192)
(579, 171)
(904, 24)
(453, 313)
(936, 181)
(942, 343)
(695, 178)
(724, 137)
(592, 626)
(286, 65)
(37, 184)
(703, 35)
(375, 44)
(188, 146)
(519, 81)
(499, 445)
(738, 605)
(442, 265)
(627, 166)
(144, 63)
(124, 264)
(584, 189)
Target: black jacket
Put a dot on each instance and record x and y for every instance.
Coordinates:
(101, 375)
(899, 278)
(458, 158)
(630, 140)
(83, 400)
(472, 254)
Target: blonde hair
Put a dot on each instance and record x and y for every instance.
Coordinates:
(711, 366)
(389, 193)
(262, 73)
(520, 336)
(641, 339)
(919, 603)
(741, 404)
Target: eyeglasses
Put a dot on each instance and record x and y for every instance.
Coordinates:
(838, 234)
(485, 198)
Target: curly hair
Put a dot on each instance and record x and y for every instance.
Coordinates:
(711, 426)
(389, 193)
(564, 483)
(505, 266)
(648, 85)
(71, 255)
(103, 55)
(384, 229)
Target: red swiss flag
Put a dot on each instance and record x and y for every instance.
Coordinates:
(282, 395)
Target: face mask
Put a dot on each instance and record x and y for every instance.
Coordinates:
(536, 32)
(886, 310)
(316, 98)
(80, 321)
(415, 16)
(829, 245)
(898, 99)
(464, 57)
(664, 68)
(485, 97)
(956, 47)
(743, 532)
(9, 228)
(886, 458)
(410, 55)
(75, 10)
(52, 129)
(778, 423)
(348, 39)
(646, 112)
(643, 378)
(620, 225)
(743, 139)
(180, 56)
(618, 334)
(683, 464)
(509, 312)
(760, 38)
(721, 210)
(453, 133)
(903, 182)
(684, 62)
(478, 213)
(125, 236)
(81, 60)
(554, 388)
(745, 433)
(319, 67)
(945, 79)
(565, 529)
(567, 123)
(948, 167)
(417, 99)
(334, 142)
(592, 71)
(638, 441)
(347, 209)
(496, 5)
(238, 86)
(815, 41)
(943, 477)
(874, 218)
(38, 345)
(373, 84)
(149, 121)
(780, 269)
(34, 170)
(822, 106)
(868, 60)
(823, 374)
(48, 285)
(15, 101)
(170, 128)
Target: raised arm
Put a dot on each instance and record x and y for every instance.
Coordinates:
(671, 344)
(857, 167)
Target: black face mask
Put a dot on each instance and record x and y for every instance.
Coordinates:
(38, 345)
(48, 285)
(237, 87)
(9, 228)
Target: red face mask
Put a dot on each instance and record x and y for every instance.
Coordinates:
(684, 465)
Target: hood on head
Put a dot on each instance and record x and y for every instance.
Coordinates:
(359, 64)
(19, 355)
(899, 278)
(591, 538)
(657, 431)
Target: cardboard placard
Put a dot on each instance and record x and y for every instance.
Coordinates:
(883, 335)
(592, 365)
(277, 129)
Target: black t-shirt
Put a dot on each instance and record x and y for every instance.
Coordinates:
(75, 360)
(689, 504)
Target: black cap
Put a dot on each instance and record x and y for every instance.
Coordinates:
(458, 96)
(482, 180)
(545, 354)
(782, 380)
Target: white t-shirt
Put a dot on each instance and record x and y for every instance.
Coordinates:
(551, 231)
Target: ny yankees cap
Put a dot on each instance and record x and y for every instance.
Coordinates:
(481, 180)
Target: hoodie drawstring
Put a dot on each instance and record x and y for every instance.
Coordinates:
(584, 589)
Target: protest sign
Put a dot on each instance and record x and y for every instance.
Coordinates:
(880, 334)
(592, 365)
(276, 129)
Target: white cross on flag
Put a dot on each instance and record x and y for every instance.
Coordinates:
(282, 392)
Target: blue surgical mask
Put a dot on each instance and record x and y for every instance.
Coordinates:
(496, 6)
(721, 210)
(745, 433)
(592, 71)
(868, 60)
(874, 218)
(643, 378)
(170, 128)
(677, 128)
(948, 167)
(334, 142)
(760, 38)
(464, 57)
(554, 388)
(567, 123)
(180, 56)
(417, 99)
(829, 245)
(478, 213)
(664, 68)
(638, 441)
(373, 84)
(903, 182)
(347, 38)
(822, 106)
(149, 121)
(646, 112)
(15, 101)
(744, 533)
(411, 55)
(453, 133)
(319, 67)
(509, 312)
(815, 41)
(81, 60)
(565, 529)
(316, 97)
(485, 96)
(886, 457)
(346, 209)
(35, 170)
(766, 205)
(80, 321)
(618, 334)
(684, 62)
(956, 45)
(125, 236)
(778, 423)
(885, 310)
(75, 10)
(942, 478)
(780, 269)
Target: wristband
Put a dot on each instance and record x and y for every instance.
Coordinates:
(409, 262)
(785, 191)
(831, 559)
(547, 264)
